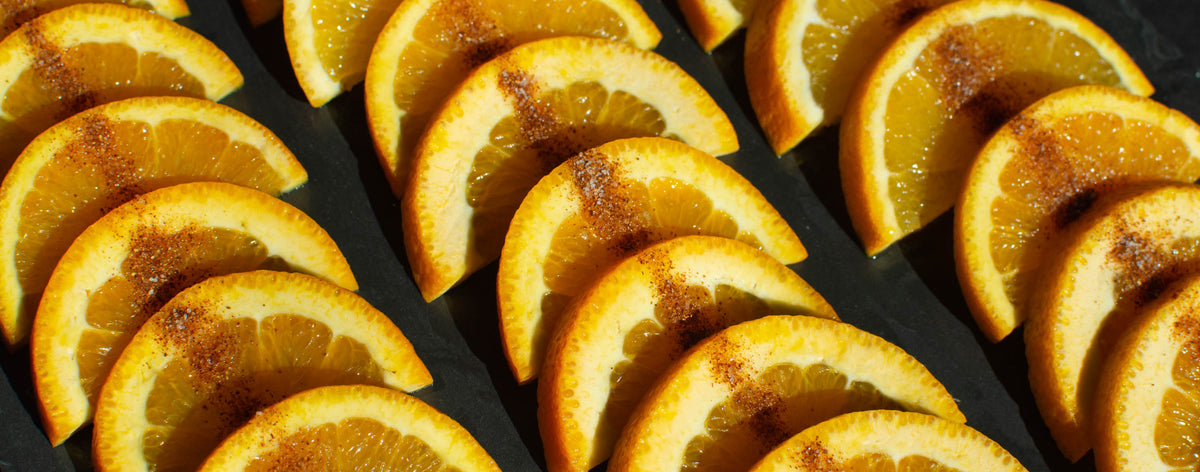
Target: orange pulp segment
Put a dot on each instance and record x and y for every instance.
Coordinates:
(888, 440)
(329, 42)
(14, 14)
(351, 427)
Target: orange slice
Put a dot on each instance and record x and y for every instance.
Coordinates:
(13, 15)
(351, 427)
(713, 21)
(803, 57)
(1146, 408)
(1040, 172)
(887, 440)
(924, 109)
(1123, 255)
(517, 117)
(262, 11)
(429, 46)
(80, 56)
(106, 156)
(735, 396)
(224, 349)
(623, 332)
(130, 262)
(607, 203)
(329, 42)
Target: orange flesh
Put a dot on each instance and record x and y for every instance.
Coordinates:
(619, 217)
(63, 82)
(762, 413)
(966, 84)
(1144, 270)
(1060, 169)
(350, 444)
(833, 61)
(455, 36)
(684, 315)
(549, 127)
(876, 462)
(155, 270)
(225, 371)
(1177, 429)
(343, 33)
(107, 164)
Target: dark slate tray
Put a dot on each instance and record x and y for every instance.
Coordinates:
(908, 294)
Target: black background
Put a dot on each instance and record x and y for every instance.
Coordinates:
(908, 294)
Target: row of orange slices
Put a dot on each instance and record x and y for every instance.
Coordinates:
(102, 230)
(953, 102)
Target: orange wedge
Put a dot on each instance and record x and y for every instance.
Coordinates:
(77, 170)
(924, 109)
(224, 349)
(262, 11)
(888, 440)
(1040, 172)
(12, 16)
(351, 427)
(1146, 408)
(329, 42)
(130, 262)
(1122, 256)
(610, 202)
(735, 396)
(622, 333)
(77, 57)
(429, 46)
(517, 117)
(713, 21)
(803, 57)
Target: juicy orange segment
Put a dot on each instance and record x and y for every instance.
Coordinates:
(351, 427)
(804, 56)
(887, 440)
(1146, 408)
(224, 349)
(713, 21)
(130, 262)
(329, 42)
(429, 46)
(520, 115)
(623, 332)
(1041, 171)
(107, 156)
(735, 396)
(13, 15)
(77, 57)
(921, 113)
(610, 202)
(1121, 257)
